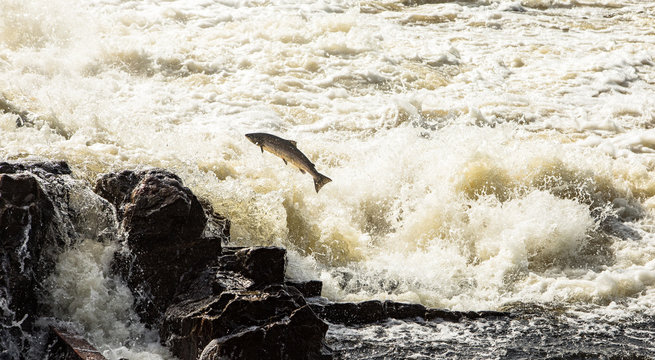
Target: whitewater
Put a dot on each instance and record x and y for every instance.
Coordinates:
(484, 155)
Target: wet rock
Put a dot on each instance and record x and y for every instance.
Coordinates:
(212, 281)
(67, 345)
(117, 188)
(43, 211)
(162, 210)
(396, 310)
(163, 222)
(27, 246)
(299, 337)
(311, 288)
(191, 325)
(159, 274)
(365, 312)
(456, 316)
(445, 315)
(263, 265)
(369, 312)
(42, 168)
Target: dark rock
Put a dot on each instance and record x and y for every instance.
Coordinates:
(264, 265)
(43, 167)
(67, 345)
(117, 188)
(455, 316)
(162, 210)
(43, 211)
(311, 288)
(27, 245)
(213, 282)
(246, 344)
(365, 312)
(159, 275)
(163, 222)
(191, 325)
(445, 315)
(299, 337)
(396, 310)
(217, 224)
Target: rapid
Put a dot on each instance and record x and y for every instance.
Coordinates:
(484, 155)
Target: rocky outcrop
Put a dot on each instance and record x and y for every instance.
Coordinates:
(162, 222)
(369, 312)
(29, 240)
(287, 328)
(197, 293)
(246, 311)
(297, 336)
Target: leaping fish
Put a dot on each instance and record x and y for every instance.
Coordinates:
(287, 150)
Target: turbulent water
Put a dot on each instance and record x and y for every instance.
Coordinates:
(485, 155)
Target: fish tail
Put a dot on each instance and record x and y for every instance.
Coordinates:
(320, 180)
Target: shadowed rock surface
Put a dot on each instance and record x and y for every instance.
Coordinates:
(162, 221)
(31, 235)
(234, 316)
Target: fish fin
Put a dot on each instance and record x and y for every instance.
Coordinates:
(293, 143)
(320, 180)
(301, 170)
(261, 147)
(285, 161)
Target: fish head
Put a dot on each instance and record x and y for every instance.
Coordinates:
(254, 138)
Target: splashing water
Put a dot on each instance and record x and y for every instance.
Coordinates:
(483, 153)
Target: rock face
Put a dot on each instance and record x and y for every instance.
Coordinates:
(247, 312)
(163, 222)
(29, 239)
(197, 293)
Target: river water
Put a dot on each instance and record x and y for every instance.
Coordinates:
(485, 155)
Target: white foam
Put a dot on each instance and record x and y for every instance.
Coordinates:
(475, 151)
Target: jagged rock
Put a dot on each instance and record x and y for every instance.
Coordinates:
(117, 188)
(163, 222)
(311, 288)
(43, 210)
(263, 265)
(28, 242)
(212, 281)
(191, 325)
(299, 337)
